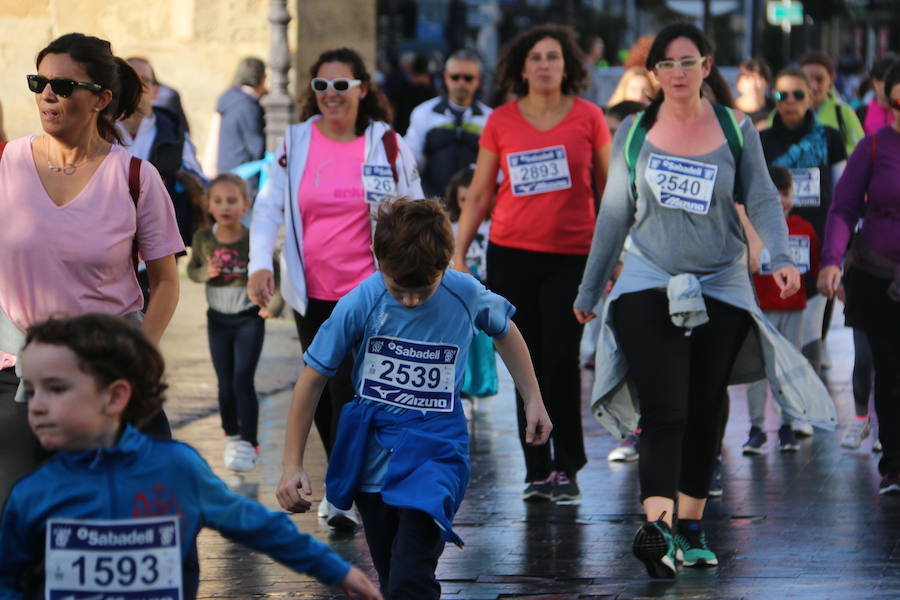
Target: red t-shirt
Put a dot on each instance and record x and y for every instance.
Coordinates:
(804, 246)
(545, 202)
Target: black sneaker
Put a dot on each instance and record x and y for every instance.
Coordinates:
(787, 440)
(655, 547)
(756, 442)
(540, 491)
(890, 485)
(565, 489)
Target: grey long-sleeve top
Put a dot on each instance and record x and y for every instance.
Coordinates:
(674, 239)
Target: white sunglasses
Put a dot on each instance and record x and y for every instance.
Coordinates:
(340, 85)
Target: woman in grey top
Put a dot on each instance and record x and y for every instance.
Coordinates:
(685, 241)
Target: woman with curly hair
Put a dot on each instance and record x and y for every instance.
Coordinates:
(551, 146)
(333, 168)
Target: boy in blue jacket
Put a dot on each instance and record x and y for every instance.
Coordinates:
(401, 451)
(114, 512)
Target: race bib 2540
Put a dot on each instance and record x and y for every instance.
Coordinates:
(681, 183)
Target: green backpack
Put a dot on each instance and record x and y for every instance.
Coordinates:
(729, 126)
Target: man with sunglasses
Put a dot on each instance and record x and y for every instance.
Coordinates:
(443, 132)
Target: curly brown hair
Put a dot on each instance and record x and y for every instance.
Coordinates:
(413, 240)
(110, 348)
(512, 59)
(373, 107)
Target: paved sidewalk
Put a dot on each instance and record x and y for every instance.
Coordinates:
(804, 525)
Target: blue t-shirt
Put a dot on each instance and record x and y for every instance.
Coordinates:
(407, 358)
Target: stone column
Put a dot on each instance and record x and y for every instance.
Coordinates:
(327, 24)
(277, 103)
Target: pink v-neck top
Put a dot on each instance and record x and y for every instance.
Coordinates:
(77, 258)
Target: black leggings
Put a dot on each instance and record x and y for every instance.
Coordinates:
(542, 287)
(681, 383)
(405, 545)
(339, 389)
(870, 308)
(235, 345)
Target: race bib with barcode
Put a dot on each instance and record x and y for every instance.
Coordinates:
(409, 374)
(807, 187)
(798, 246)
(681, 183)
(538, 171)
(378, 183)
(127, 559)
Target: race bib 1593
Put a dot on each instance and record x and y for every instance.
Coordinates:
(409, 374)
(681, 183)
(127, 559)
(538, 171)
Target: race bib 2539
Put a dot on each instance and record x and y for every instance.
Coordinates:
(409, 374)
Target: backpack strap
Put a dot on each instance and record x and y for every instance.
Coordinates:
(735, 139)
(389, 139)
(633, 144)
(134, 188)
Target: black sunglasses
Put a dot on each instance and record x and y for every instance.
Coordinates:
(61, 87)
(465, 77)
(782, 96)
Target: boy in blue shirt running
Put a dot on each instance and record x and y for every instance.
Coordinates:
(401, 451)
(114, 512)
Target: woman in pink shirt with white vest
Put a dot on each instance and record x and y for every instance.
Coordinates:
(329, 175)
(76, 209)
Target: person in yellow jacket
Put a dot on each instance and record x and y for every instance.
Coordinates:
(830, 110)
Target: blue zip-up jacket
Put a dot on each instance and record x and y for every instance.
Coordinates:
(143, 477)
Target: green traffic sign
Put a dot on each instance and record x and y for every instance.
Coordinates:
(779, 12)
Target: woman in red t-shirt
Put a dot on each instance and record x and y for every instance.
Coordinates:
(551, 146)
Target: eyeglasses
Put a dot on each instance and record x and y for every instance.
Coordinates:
(464, 76)
(685, 64)
(341, 85)
(783, 96)
(61, 87)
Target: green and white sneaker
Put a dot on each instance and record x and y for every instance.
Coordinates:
(691, 549)
(655, 547)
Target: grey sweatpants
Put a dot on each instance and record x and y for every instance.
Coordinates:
(790, 324)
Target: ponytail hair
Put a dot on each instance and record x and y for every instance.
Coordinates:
(657, 53)
(103, 68)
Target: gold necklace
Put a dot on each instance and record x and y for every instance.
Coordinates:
(66, 169)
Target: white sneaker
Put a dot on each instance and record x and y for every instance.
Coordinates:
(243, 458)
(876, 445)
(324, 507)
(230, 446)
(627, 451)
(802, 429)
(342, 520)
(855, 434)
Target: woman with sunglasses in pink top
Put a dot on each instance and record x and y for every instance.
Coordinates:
(332, 170)
(76, 209)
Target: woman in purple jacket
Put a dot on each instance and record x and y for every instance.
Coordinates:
(870, 185)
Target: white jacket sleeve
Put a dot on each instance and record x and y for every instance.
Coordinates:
(415, 137)
(409, 184)
(268, 213)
